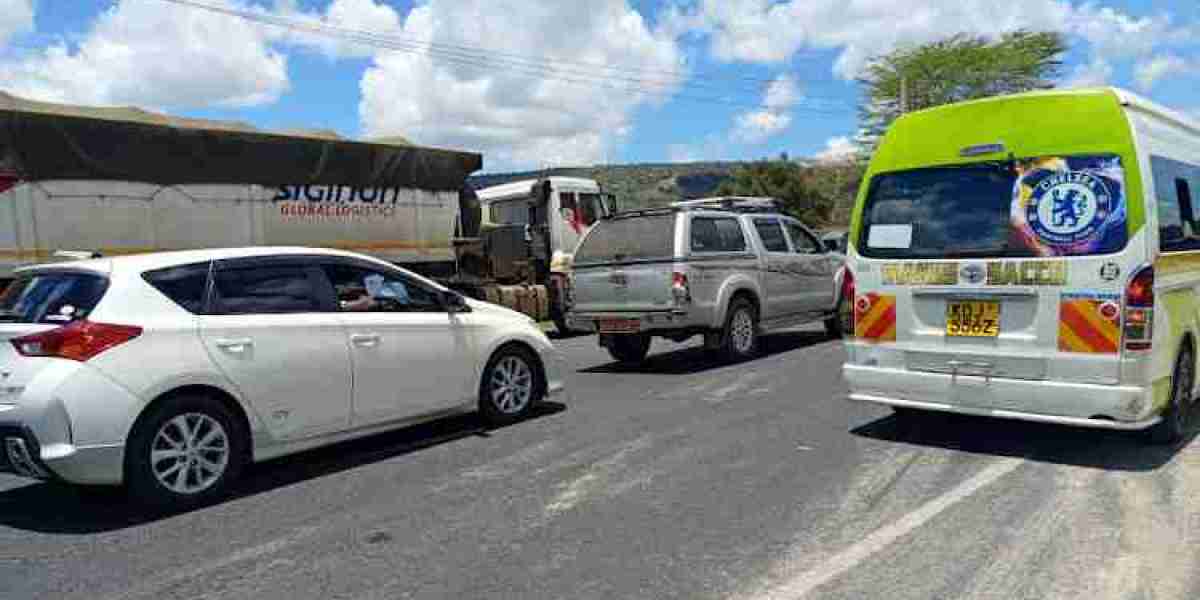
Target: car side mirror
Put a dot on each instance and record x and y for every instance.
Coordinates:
(831, 245)
(454, 302)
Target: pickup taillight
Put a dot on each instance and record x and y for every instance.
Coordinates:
(679, 288)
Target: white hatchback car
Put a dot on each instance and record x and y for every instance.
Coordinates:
(168, 372)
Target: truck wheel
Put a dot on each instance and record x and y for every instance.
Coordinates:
(1176, 417)
(740, 338)
(629, 349)
(184, 453)
(512, 386)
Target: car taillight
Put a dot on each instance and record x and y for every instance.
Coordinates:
(1139, 310)
(80, 340)
(679, 287)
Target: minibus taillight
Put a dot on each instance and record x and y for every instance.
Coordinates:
(848, 296)
(1139, 310)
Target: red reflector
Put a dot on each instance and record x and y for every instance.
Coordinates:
(679, 279)
(80, 340)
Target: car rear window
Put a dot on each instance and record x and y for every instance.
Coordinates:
(51, 297)
(1049, 206)
(649, 237)
(185, 285)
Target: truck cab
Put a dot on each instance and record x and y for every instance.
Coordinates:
(530, 229)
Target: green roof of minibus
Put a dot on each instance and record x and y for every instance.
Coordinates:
(1033, 124)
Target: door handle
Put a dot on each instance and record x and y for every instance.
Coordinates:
(365, 340)
(235, 345)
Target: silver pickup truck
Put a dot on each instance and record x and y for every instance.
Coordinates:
(729, 269)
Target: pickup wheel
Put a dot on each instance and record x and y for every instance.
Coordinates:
(739, 341)
(835, 325)
(629, 349)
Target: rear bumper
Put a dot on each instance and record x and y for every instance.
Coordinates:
(651, 321)
(22, 454)
(1079, 404)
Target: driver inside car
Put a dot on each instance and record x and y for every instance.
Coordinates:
(379, 293)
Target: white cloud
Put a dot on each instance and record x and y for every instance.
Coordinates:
(513, 108)
(770, 31)
(353, 17)
(1095, 73)
(757, 126)
(16, 17)
(838, 149)
(1149, 72)
(156, 54)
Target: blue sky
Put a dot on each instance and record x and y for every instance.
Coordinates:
(596, 81)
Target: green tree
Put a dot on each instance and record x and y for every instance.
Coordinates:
(962, 67)
(819, 194)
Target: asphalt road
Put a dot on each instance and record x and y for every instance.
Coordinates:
(682, 479)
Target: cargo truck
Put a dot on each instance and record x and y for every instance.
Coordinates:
(114, 181)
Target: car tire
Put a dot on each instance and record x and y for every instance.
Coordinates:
(512, 385)
(739, 341)
(200, 446)
(629, 349)
(1176, 418)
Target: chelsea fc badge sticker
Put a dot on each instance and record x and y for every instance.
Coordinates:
(1069, 207)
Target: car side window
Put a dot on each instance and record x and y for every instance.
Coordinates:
(803, 242)
(265, 289)
(720, 234)
(360, 289)
(771, 234)
(1178, 221)
(185, 285)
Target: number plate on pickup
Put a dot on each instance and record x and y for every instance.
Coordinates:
(619, 325)
(973, 318)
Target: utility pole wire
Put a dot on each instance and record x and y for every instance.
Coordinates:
(486, 59)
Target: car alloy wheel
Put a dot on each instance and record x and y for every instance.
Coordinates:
(190, 453)
(511, 385)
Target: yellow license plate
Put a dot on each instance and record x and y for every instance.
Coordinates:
(973, 318)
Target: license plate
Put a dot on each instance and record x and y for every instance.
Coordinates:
(620, 326)
(973, 318)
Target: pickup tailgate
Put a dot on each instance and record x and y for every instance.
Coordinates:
(629, 287)
(625, 264)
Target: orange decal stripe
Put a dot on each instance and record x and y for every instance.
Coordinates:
(1071, 316)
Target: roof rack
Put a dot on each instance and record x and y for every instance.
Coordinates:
(743, 204)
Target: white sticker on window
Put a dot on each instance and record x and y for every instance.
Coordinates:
(890, 236)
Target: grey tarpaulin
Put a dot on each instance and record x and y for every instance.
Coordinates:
(40, 140)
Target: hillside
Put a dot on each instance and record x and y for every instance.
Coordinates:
(635, 185)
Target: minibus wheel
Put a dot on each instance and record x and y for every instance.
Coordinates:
(1175, 418)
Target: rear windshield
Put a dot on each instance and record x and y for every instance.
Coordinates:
(51, 297)
(1051, 206)
(650, 237)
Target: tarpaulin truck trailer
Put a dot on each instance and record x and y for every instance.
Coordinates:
(121, 181)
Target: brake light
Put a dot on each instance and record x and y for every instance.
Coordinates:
(80, 340)
(848, 296)
(1139, 311)
(679, 287)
